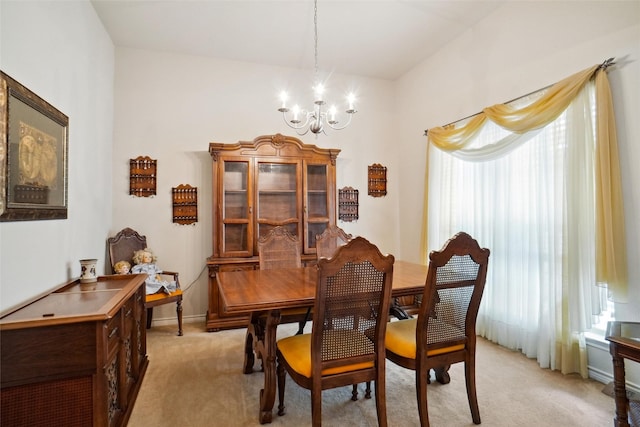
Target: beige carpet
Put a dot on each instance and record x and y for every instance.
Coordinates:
(196, 380)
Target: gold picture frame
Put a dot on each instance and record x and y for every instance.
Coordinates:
(34, 151)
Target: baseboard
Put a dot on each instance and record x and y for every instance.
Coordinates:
(598, 373)
(172, 320)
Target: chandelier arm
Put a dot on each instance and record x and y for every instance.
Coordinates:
(302, 133)
(341, 127)
(293, 125)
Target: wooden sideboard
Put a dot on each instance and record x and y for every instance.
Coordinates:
(76, 356)
(272, 181)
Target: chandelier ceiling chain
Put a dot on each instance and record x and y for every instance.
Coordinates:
(315, 37)
(316, 118)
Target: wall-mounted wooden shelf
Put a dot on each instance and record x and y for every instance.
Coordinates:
(377, 180)
(348, 204)
(185, 204)
(142, 176)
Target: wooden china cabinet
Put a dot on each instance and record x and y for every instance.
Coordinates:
(274, 180)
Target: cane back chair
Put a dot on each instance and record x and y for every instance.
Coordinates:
(329, 240)
(346, 343)
(121, 247)
(326, 245)
(276, 249)
(445, 329)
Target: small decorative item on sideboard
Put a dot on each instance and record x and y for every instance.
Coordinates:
(88, 270)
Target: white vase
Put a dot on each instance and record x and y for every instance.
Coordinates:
(88, 270)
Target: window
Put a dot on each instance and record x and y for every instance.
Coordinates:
(532, 202)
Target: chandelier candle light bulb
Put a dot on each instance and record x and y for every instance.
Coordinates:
(332, 115)
(351, 98)
(296, 111)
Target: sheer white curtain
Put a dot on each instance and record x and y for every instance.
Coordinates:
(530, 198)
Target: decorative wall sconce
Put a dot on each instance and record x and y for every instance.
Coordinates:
(185, 204)
(377, 180)
(142, 176)
(348, 204)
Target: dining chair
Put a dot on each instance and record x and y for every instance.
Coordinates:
(346, 343)
(329, 240)
(327, 243)
(445, 330)
(276, 249)
(122, 247)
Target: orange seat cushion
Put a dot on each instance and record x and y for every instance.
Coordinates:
(401, 339)
(297, 352)
(161, 295)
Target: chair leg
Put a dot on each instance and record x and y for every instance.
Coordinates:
(422, 377)
(316, 405)
(381, 400)
(301, 327)
(149, 317)
(280, 371)
(255, 333)
(179, 313)
(367, 391)
(249, 355)
(302, 323)
(470, 377)
(442, 374)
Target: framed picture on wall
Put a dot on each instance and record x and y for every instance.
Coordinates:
(33, 155)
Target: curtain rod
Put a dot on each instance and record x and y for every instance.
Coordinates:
(606, 64)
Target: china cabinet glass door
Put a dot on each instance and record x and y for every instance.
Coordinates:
(236, 209)
(278, 197)
(316, 203)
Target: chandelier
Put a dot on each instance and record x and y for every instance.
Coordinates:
(316, 118)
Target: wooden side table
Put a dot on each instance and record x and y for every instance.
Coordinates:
(624, 343)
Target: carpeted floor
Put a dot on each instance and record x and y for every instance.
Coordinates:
(196, 380)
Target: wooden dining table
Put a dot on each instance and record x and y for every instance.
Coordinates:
(270, 291)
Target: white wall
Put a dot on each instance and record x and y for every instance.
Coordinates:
(60, 51)
(170, 107)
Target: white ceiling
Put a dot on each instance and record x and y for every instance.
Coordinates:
(374, 38)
